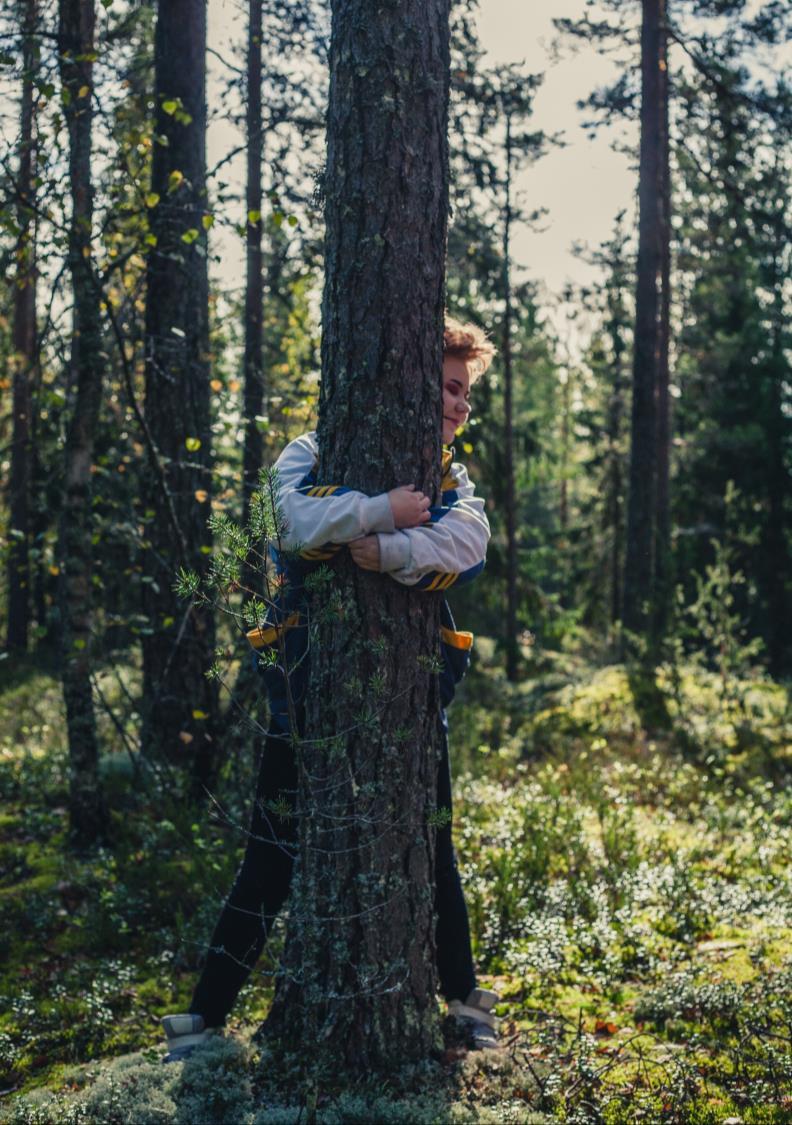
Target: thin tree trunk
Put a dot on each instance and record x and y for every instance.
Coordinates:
(508, 432)
(359, 976)
(615, 507)
(641, 508)
(254, 290)
(776, 531)
(24, 343)
(563, 490)
(663, 577)
(41, 578)
(247, 693)
(86, 806)
(179, 702)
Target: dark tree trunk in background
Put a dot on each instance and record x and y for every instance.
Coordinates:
(39, 522)
(75, 548)
(508, 433)
(359, 976)
(639, 561)
(180, 703)
(663, 577)
(566, 442)
(249, 702)
(254, 290)
(614, 510)
(776, 543)
(24, 344)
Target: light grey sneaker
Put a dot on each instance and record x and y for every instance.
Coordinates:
(476, 1013)
(185, 1033)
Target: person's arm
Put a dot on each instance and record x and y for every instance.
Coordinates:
(450, 550)
(319, 518)
(317, 514)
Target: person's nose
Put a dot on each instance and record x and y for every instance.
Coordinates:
(463, 407)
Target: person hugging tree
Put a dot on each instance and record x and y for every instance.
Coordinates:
(431, 548)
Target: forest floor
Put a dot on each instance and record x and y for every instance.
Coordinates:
(625, 851)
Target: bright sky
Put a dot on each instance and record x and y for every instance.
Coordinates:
(583, 185)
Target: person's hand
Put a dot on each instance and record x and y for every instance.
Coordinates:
(410, 508)
(366, 553)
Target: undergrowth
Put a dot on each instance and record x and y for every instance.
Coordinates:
(627, 879)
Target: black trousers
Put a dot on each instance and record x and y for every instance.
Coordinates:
(262, 886)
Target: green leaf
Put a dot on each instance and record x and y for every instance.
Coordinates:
(190, 235)
(254, 217)
(193, 444)
(207, 221)
(170, 106)
(152, 199)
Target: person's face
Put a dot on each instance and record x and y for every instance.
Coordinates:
(456, 395)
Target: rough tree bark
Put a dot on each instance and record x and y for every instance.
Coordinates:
(179, 702)
(75, 548)
(24, 343)
(358, 980)
(641, 505)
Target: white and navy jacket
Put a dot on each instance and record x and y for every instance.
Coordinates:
(319, 520)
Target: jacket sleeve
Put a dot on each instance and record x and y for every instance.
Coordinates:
(313, 514)
(450, 549)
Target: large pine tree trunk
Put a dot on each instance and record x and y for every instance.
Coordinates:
(86, 808)
(180, 703)
(358, 989)
(254, 286)
(24, 343)
(512, 651)
(641, 508)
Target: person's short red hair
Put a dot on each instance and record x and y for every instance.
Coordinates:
(469, 343)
